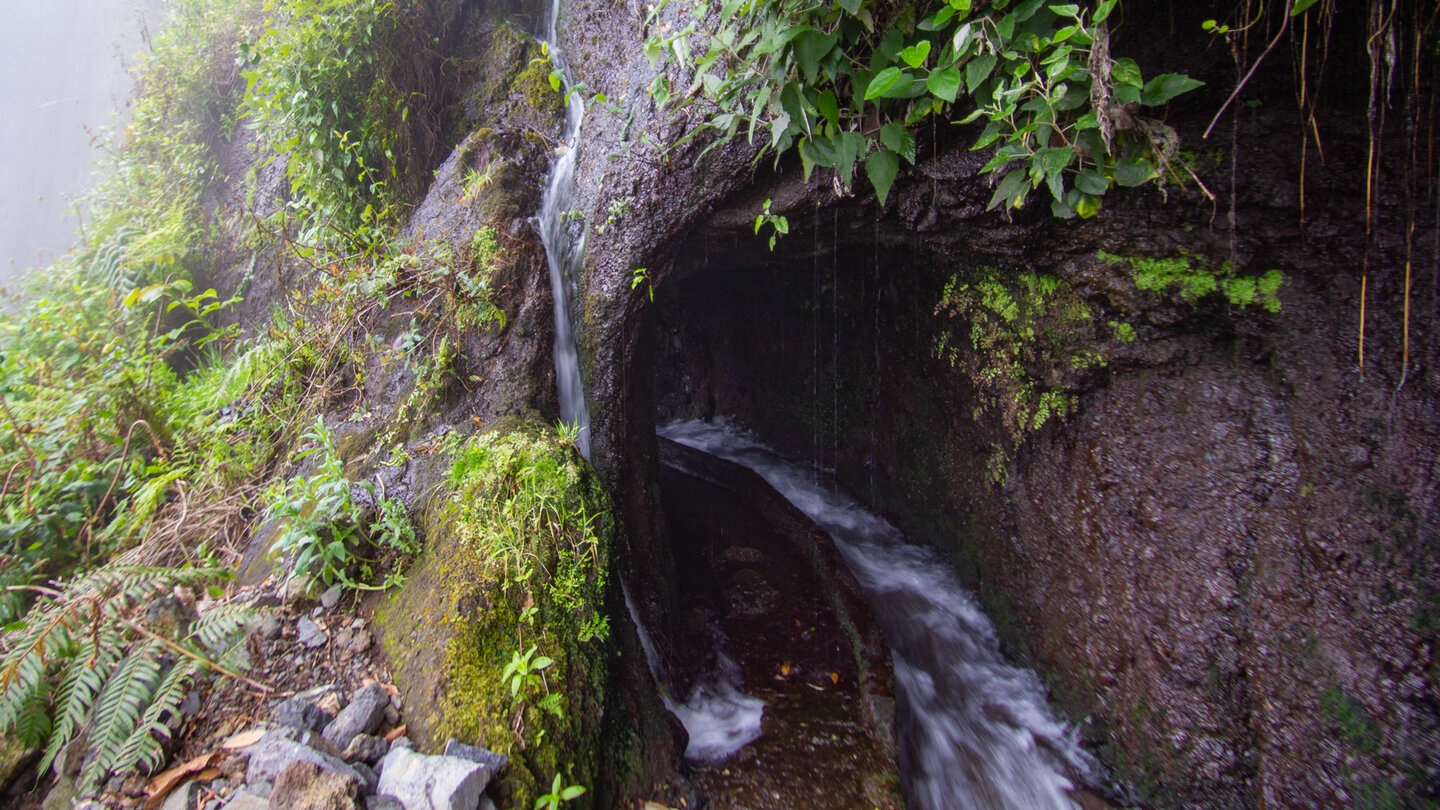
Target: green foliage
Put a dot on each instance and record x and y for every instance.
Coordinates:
(84, 659)
(558, 794)
(1356, 726)
(526, 507)
(1031, 339)
(523, 672)
(319, 87)
(779, 225)
(843, 83)
(325, 529)
(1179, 276)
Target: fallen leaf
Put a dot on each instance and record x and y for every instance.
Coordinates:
(784, 669)
(395, 733)
(243, 739)
(655, 806)
(835, 677)
(159, 787)
(390, 689)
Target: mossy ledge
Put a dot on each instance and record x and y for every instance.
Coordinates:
(519, 536)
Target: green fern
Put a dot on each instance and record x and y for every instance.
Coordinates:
(82, 660)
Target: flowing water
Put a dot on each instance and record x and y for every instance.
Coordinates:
(563, 249)
(718, 718)
(974, 731)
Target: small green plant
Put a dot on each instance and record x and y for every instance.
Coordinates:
(558, 794)
(1028, 341)
(324, 529)
(779, 225)
(639, 276)
(523, 673)
(619, 208)
(477, 180)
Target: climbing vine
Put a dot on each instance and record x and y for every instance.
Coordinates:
(842, 84)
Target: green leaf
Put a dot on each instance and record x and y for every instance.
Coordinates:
(1027, 9)
(882, 167)
(900, 140)
(1010, 190)
(916, 55)
(849, 146)
(1133, 171)
(852, 7)
(978, 70)
(1102, 12)
(936, 21)
(1125, 71)
(883, 81)
(1166, 86)
(810, 49)
(1091, 182)
(572, 792)
(944, 84)
(1088, 206)
(1300, 6)
(1068, 10)
(829, 107)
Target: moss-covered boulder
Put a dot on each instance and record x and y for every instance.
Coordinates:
(498, 638)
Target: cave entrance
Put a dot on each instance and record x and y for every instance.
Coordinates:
(813, 350)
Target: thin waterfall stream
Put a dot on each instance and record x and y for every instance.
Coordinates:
(975, 733)
(564, 251)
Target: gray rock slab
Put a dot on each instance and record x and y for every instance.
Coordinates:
(383, 803)
(309, 633)
(362, 716)
(474, 753)
(183, 797)
(298, 712)
(245, 800)
(275, 752)
(331, 597)
(366, 748)
(432, 783)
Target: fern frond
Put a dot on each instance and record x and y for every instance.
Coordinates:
(32, 723)
(215, 631)
(119, 708)
(142, 748)
(80, 683)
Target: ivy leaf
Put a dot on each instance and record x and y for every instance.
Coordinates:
(1133, 171)
(944, 84)
(900, 140)
(883, 81)
(978, 70)
(916, 55)
(881, 167)
(1166, 86)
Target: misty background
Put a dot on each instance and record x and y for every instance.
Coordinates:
(65, 82)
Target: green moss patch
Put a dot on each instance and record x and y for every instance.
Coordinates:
(498, 637)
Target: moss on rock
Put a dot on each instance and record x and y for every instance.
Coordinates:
(519, 537)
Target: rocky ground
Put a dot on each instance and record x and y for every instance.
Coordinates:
(316, 724)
